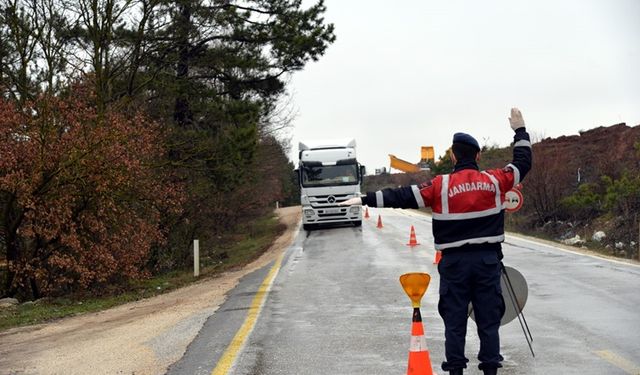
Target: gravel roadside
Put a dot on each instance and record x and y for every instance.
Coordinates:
(142, 337)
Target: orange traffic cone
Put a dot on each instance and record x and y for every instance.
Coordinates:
(366, 212)
(419, 359)
(438, 257)
(412, 238)
(379, 221)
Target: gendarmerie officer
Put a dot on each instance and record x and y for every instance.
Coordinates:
(468, 227)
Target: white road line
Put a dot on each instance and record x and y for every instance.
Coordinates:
(619, 361)
(550, 246)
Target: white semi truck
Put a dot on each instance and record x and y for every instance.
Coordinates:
(329, 173)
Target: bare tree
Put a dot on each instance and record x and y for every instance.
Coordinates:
(19, 50)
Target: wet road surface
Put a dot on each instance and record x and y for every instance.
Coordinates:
(336, 307)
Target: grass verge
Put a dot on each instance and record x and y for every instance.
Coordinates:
(255, 238)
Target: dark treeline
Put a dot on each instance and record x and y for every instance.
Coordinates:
(130, 127)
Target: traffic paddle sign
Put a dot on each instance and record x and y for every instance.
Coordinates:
(515, 293)
(513, 200)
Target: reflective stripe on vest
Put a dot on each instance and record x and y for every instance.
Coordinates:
(491, 239)
(417, 195)
(444, 199)
(379, 198)
(516, 174)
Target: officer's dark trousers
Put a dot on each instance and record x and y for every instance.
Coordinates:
(471, 276)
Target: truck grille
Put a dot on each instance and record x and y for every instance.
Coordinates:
(327, 209)
(324, 200)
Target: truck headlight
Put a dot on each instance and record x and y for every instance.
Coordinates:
(354, 209)
(308, 212)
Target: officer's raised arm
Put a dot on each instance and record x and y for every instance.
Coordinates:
(521, 163)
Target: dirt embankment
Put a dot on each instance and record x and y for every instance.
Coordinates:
(604, 150)
(565, 193)
(142, 337)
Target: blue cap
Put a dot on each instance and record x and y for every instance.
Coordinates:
(466, 139)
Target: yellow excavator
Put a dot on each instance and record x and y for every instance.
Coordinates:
(427, 158)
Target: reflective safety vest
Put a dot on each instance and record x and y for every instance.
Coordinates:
(468, 205)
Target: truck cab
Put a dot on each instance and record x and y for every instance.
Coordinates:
(329, 173)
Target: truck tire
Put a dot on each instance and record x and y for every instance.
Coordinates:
(357, 223)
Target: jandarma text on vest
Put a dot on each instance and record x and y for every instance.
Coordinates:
(471, 186)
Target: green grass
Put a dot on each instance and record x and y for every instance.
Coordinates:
(243, 247)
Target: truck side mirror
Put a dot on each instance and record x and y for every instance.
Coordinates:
(297, 173)
(363, 171)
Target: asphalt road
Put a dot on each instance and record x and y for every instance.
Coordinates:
(336, 307)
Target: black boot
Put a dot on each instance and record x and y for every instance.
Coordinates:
(490, 371)
(456, 372)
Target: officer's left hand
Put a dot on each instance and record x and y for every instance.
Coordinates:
(516, 121)
(351, 202)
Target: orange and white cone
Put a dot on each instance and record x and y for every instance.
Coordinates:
(366, 212)
(419, 359)
(379, 221)
(438, 257)
(412, 238)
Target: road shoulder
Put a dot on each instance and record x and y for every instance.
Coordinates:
(142, 337)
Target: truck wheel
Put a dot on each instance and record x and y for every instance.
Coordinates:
(357, 223)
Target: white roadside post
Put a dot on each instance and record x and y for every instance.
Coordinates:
(196, 258)
(638, 222)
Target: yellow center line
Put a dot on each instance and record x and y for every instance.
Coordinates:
(229, 356)
(618, 361)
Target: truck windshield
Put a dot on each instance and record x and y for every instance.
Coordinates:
(330, 175)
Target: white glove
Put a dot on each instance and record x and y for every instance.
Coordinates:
(350, 202)
(516, 119)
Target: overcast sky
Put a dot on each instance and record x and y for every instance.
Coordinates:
(406, 74)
